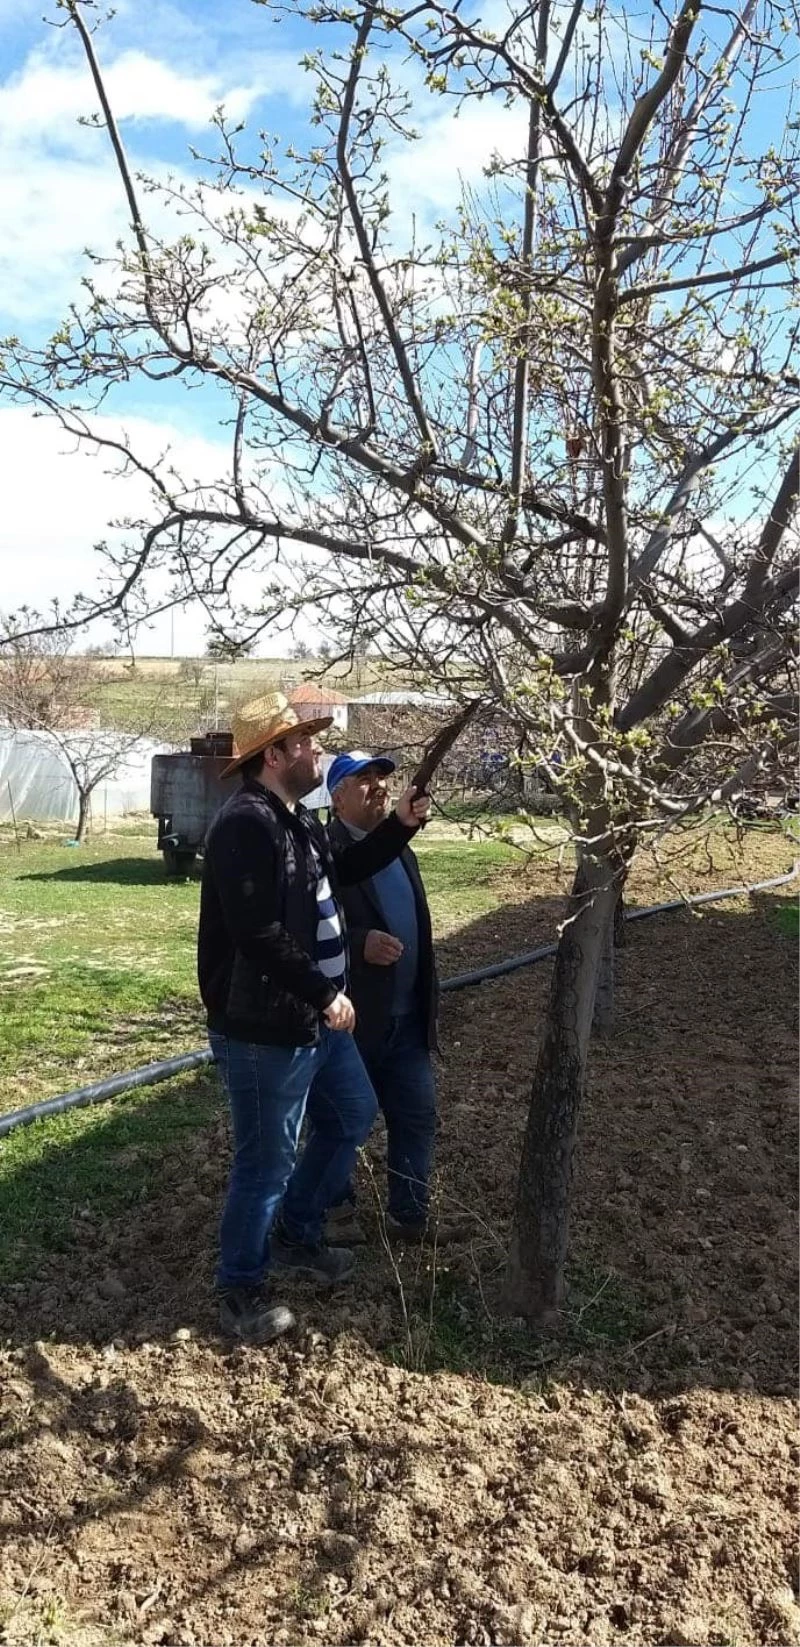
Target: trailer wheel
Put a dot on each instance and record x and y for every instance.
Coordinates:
(178, 861)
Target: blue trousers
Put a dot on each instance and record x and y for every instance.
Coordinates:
(268, 1088)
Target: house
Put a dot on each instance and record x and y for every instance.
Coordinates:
(398, 723)
(312, 700)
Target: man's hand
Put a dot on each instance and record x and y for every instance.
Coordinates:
(412, 809)
(381, 949)
(340, 1014)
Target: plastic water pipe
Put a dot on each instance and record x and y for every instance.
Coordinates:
(150, 1074)
(147, 1076)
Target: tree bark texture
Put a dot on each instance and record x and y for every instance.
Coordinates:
(619, 920)
(83, 815)
(534, 1286)
(603, 1017)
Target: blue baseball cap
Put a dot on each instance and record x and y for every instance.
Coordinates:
(345, 766)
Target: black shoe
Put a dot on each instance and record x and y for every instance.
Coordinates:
(426, 1232)
(343, 1228)
(246, 1313)
(316, 1259)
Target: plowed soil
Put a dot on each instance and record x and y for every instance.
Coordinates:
(409, 1467)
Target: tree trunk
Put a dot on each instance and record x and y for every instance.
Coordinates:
(534, 1286)
(603, 1021)
(619, 920)
(83, 814)
(603, 1018)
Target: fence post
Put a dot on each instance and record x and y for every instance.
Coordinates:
(14, 817)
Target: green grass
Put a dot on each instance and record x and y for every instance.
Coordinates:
(461, 877)
(449, 1329)
(93, 1161)
(97, 954)
(96, 964)
(786, 917)
(175, 696)
(97, 976)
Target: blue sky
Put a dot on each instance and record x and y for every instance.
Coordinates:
(167, 67)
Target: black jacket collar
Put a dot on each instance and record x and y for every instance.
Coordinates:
(300, 816)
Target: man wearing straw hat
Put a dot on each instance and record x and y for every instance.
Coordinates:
(272, 967)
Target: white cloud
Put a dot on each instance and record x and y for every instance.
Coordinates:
(47, 96)
(51, 211)
(62, 504)
(426, 177)
(59, 192)
(55, 209)
(63, 500)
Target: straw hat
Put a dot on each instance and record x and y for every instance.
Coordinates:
(263, 722)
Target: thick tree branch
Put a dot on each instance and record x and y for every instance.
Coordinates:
(364, 246)
(519, 436)
(650, 102)
(718, 277)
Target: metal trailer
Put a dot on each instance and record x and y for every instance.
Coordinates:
(186, 791)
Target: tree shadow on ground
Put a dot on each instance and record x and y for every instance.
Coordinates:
(116, 872)
(683, 1255)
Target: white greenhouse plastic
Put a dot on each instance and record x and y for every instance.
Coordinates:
(34, 776)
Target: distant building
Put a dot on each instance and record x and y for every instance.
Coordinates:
(312, 700)
(403, 700)
(398, 723)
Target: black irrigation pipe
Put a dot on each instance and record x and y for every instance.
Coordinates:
(465, 980)
(149, 1074)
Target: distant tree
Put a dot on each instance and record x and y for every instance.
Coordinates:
(191, 670)
(42, 678)
(359, 665)
(46, 685)
(301, 650)
(223, 649)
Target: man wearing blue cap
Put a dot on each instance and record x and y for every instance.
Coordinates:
(394, 989)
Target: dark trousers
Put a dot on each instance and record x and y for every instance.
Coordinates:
(401, 1071)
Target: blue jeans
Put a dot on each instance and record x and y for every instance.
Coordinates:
(268, 1087)
(401, 1071)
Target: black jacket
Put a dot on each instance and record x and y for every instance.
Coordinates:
(258, 914)
(371, 986)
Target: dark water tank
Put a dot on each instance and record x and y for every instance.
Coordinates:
(186, 791)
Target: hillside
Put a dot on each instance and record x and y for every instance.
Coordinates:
(174, 697)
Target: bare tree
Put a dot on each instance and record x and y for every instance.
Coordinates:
(47, 686)
(548, 457)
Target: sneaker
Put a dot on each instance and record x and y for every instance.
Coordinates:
(246, 1313)
(425, 1232)
(315, 1259)
(343, 1227)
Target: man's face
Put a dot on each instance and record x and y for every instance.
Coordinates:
(298, 764)
(362, 800)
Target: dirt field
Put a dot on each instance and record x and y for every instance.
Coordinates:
(629, 1481)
